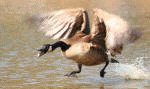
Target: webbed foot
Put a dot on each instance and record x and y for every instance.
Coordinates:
(102, 73)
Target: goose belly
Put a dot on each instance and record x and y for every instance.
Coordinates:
(85, 54)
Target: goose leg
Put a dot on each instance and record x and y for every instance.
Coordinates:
(114, 61)
(74, 72)
(102, 72)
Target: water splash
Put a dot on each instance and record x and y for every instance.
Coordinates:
(133, 71)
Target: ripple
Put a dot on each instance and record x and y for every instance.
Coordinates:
(44, 73)
(3, 64)
(12, 53)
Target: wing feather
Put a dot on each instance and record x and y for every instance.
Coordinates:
(61, 24)
(118, 31)
(68, 32)
(61, 32)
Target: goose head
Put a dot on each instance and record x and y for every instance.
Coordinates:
(43, 50)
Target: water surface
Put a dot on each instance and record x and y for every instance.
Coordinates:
(20, 68)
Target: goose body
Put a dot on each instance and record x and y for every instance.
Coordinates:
(85, 54)
(78, 43)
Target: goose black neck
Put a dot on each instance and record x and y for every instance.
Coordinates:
(62, 45)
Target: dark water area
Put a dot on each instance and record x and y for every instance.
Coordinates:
(20, 68)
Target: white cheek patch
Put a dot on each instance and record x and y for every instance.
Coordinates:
(50, 49)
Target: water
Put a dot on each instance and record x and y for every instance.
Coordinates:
(20, 68)
(135, 70)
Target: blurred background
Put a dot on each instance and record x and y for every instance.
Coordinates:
(20, 68)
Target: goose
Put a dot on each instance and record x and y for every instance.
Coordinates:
(81, 44)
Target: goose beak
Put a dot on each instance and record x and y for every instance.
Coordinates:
(40, 53)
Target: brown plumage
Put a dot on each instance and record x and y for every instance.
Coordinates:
(71, 26)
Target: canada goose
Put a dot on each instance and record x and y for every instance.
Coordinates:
(71, 26)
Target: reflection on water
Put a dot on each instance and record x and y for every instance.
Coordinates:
(19, 67)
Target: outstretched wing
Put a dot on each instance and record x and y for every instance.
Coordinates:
(61, 24)
(118, 31)
(98, 32)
